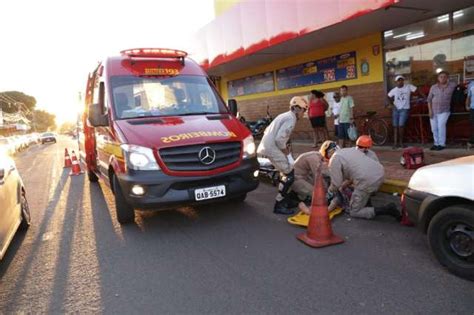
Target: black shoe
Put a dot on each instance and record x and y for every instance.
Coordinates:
(434, 148)
(293, 203)
(281, 207)
(390, 209)
(440, 148)
(369, 203)
(293, 200)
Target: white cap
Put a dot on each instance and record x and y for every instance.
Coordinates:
(398, 77)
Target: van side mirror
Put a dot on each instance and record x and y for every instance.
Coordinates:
(96, 118)
(232, 103)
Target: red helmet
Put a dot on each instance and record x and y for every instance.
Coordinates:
(364, 141)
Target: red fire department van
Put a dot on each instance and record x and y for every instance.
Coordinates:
(156, 130)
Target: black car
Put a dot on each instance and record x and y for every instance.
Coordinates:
(48, 137)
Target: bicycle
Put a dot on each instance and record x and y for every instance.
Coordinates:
(375, 127)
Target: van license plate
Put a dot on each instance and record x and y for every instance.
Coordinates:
(209, 193)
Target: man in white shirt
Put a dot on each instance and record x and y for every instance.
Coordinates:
(399, 100)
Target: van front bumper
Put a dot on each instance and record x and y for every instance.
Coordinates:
(164, 191)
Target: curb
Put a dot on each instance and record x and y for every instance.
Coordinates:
(392, 186)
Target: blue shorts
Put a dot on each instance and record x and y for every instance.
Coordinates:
(342, 129)
(399, 117)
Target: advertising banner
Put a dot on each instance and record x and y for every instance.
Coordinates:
(336, 68)
(259, 83)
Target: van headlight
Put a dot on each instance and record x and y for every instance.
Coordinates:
(249, 147)
(139, 158)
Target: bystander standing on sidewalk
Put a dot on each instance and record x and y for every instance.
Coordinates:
(470, 108)
(335, 110)
(399, 98)
(346, 116)
(439, 107)
(317, 116)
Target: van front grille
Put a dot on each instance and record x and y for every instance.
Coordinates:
(201, 157)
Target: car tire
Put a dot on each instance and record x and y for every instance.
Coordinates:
(25, 213)
(125, 212)
(450, 235)
(93, 178)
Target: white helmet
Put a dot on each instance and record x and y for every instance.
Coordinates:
(298, 101)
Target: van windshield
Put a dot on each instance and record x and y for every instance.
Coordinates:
(135, 97)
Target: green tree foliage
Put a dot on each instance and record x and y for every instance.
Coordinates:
(8, 99)
(67, 127)
(43, 121)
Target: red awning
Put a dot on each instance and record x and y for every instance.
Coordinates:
(253, 25)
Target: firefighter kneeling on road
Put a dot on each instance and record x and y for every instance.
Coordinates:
(307, 167)
(363, 171)
(274, 147)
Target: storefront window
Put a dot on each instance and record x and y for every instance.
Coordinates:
(419, 51)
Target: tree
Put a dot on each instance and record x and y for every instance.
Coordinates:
(43, 121)
(67, 127)
(10, 101)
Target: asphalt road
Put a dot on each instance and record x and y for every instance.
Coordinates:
(222, 259)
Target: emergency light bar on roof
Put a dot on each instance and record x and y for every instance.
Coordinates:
(155, 53)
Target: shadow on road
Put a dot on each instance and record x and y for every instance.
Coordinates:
(36, 244)
(15, 245)
(74, 206)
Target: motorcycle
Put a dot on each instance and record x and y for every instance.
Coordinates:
(257, 127)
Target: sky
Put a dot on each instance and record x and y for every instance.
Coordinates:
(48, 47)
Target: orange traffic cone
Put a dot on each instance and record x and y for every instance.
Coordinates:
(319, 233)
(76, 168)
(67, 159)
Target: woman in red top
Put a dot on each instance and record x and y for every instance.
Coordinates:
(317, 116)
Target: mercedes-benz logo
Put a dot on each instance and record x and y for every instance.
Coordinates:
(207, 156)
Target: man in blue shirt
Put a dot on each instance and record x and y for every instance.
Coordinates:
(470, 108)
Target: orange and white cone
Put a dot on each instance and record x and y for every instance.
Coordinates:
(319, 233)
(76, 168)
(67, 159)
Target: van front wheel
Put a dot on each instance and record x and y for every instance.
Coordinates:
(125, 212)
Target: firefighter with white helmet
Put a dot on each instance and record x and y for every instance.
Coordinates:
(274, 147)
(364, 172)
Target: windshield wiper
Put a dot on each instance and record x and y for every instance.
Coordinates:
(201, 113)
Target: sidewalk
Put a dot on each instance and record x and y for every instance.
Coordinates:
(397, 177)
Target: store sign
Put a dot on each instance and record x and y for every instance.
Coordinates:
(259, 83)
(331, 69)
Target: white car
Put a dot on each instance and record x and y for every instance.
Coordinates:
(14, 210)
(7, 146)
(440, 201)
